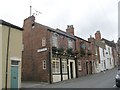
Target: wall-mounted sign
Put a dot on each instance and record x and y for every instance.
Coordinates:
(42, 50)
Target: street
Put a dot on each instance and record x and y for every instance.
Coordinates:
(101, 80)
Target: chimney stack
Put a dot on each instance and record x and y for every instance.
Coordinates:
(70, 29)
(98, 35)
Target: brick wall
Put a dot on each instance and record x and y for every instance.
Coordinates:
(32, 67)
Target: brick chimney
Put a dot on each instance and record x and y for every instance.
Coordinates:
(29, 23)
(70, 29)
(98, 35)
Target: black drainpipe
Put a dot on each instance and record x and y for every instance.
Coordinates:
(50, 74)
(76, 64)
(68, 68)
(61, 69)
(7, 55)
(49, 56)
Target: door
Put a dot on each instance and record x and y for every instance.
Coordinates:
(71, 69)
(104, 65)
(87, 68)
(14, 76)
(90, 67)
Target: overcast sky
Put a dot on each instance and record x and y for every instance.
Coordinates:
(87, 16)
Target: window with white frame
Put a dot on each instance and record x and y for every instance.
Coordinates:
(70, 43)
(103, 52)
(54, 40)
(64, 66)
(44, 41)
(44, 64)
(79, 65)
(56, 65)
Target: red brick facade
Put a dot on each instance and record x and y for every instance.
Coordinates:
(84, 56)
(35, 53)
(32, 60)
(45, 46)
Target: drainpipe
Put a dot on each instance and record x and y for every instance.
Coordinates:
(61, 69)
(50, 79)
(76, 65)
(7, 55)
(68, 68)
(49, 55)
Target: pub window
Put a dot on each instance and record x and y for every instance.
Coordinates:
(70, 43)
(103, 52)
(54, 40)
(82, 46)
(109, 51)
(64, 66)
(56, 65)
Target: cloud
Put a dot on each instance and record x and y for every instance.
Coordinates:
(87, 16)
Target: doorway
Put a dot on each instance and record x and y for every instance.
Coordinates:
(87, 68)
(90, 67)
(71, 69)
(14, 76)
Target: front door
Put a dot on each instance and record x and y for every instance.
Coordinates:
(87, 68)
(90, 67)
(14, 76)
(71, 69)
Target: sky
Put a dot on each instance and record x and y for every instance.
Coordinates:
(87, 16)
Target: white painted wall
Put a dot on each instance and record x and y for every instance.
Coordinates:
(0, 57)
(56, 78)
(108, 56)
(102, 59)
(65, 77)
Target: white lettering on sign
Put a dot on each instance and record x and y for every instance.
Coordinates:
(42, 50)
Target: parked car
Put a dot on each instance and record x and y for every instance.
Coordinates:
(117, 79)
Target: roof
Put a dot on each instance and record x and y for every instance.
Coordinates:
(82, 39)
(64, 33)
(100, 44)
(10, 25)
(110, 43)
(58, 31)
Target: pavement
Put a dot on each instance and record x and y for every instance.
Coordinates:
(100, 80)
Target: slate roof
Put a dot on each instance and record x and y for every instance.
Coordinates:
(58, 31)
(9, 24)
(82, 39)
(110, 43)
